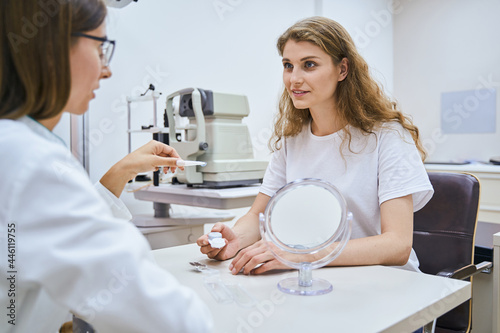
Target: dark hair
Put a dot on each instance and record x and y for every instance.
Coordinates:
(35, 42)
(361, 101)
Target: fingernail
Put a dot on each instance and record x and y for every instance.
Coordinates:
(231, 267)
(233, 271)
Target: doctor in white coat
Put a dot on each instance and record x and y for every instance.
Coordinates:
(63, 246)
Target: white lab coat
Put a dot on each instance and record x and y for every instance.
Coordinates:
(71, 253)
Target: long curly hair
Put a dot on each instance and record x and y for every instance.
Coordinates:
(361, 101)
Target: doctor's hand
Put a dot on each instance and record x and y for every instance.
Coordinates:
(255, 259)
(149, 157)
(228, 251)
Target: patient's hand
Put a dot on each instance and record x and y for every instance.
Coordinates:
(226, 252)
(255, 259)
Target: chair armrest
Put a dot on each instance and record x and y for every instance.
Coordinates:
(467, 271)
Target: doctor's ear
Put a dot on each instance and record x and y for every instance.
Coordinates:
(344, 68)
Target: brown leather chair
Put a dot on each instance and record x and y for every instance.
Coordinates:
(443, 238)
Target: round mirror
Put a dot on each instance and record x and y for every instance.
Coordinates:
(306, 225)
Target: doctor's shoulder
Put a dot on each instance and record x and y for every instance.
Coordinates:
(23, 150)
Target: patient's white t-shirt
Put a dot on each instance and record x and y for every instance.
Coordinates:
(377, 167)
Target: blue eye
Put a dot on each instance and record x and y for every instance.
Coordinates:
(309, 64)
(287, 65)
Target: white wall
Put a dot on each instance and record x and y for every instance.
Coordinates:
(180, 44)
(443, 46)
(370, 25)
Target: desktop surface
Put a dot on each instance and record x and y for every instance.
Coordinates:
(364, 299)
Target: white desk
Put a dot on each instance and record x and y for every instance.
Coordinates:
(364, 299)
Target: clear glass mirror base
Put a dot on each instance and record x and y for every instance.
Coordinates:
(317, 287)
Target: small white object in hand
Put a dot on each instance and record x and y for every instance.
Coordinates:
(217, 243)
(215, 240)
(184, 163)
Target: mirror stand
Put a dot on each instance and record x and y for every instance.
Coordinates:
(304, 284)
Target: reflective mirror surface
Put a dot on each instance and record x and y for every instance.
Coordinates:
(306, 216)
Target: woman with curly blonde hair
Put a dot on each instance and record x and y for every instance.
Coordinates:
(335, 123)
(361, 102)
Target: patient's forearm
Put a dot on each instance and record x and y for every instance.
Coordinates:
(386, 249)
(247, 229)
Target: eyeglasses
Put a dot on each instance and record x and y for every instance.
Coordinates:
(107, 47)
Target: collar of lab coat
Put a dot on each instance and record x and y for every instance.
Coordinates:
(41, 130)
